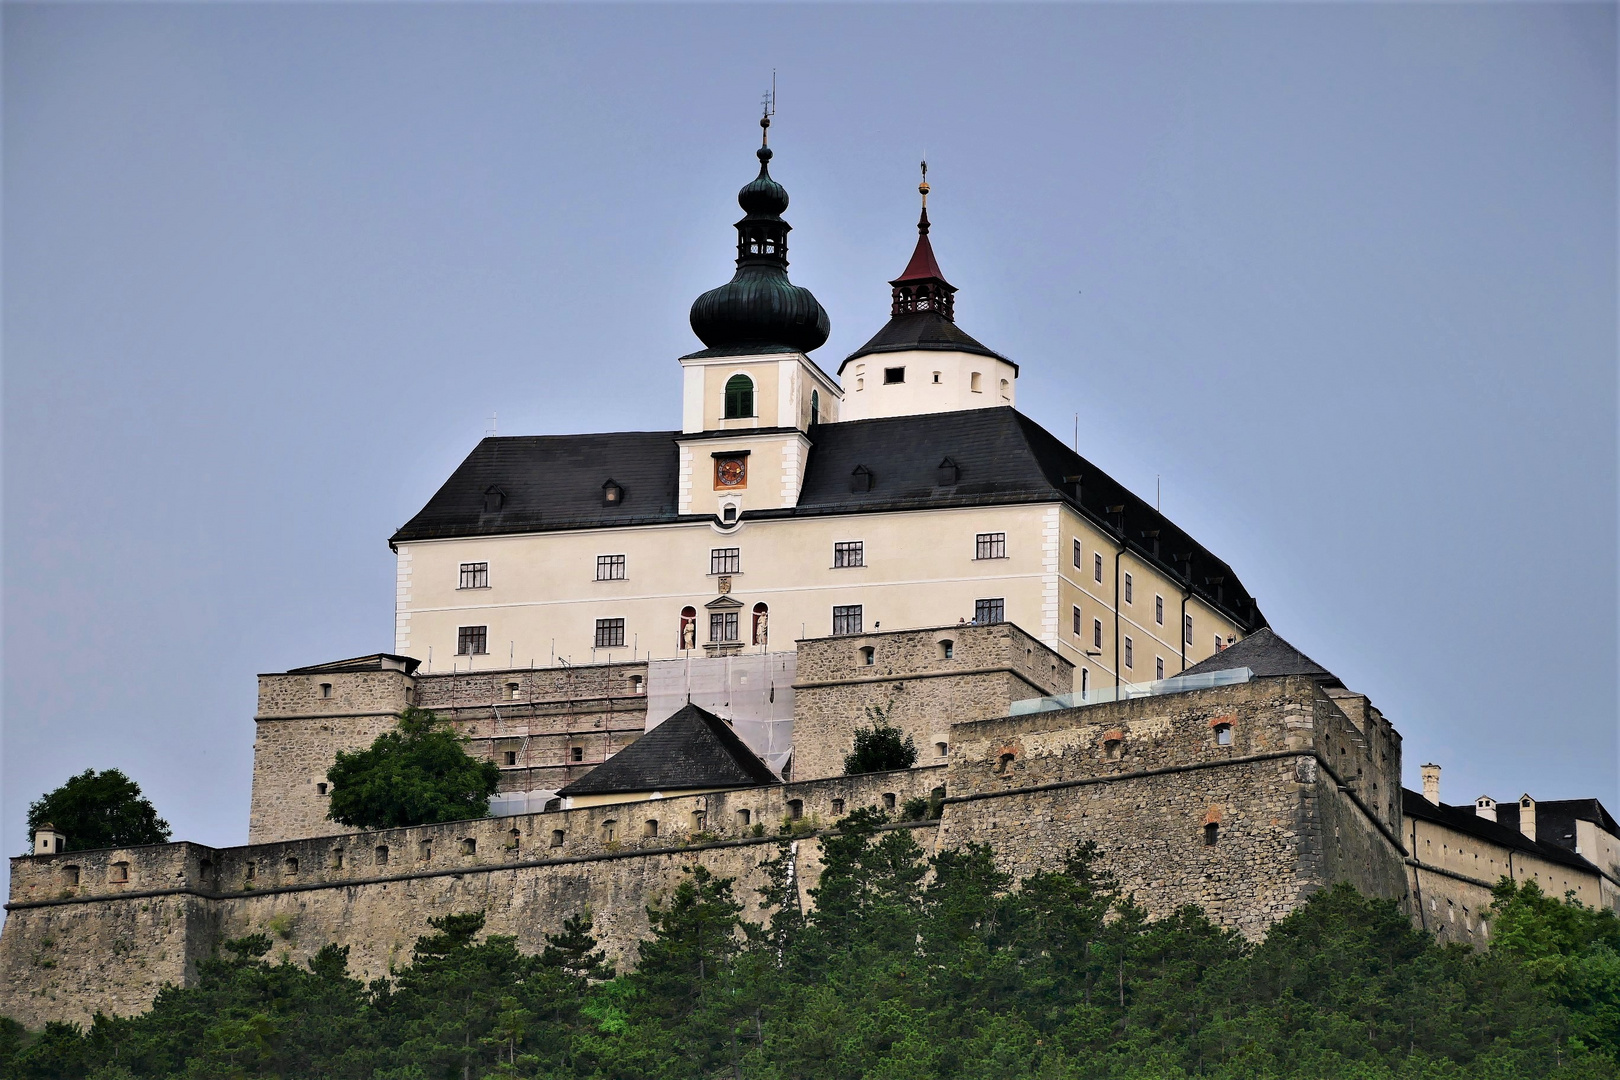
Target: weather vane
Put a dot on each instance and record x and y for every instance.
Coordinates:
(767, 103)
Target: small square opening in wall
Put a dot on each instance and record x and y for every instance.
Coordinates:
(326, 689)
(320, 789)
(119, 872)
(888, 800)
(795, 808)
(838, 808)
(557, 836)
(511, 757)
(941, 749)
(1223, 734)
(743, 817)
(894, 375)
(381, 855)
(469, 846)
(576, 754)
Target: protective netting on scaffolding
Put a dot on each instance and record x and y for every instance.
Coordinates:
(752, 690)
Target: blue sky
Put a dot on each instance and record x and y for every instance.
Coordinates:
(1342, 277)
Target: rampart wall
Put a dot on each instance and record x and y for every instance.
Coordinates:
(90, 930)
(922, 680)
(533, 723)
(1242, 799)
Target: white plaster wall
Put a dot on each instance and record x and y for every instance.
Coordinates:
(867, 395)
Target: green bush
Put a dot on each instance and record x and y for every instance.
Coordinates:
(418, 774)
(880, 747)
(99, 810)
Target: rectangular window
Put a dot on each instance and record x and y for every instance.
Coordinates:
(610, 633)
(474, 575)
(847, 619)
(1217, 643)
(725, 560)
(849, 553)
(1128, 590)
(1186, 629)
(610, 568)
(1077, 554)
(722, 626)
(1158, 610)
(990, 546)
(1158, 668)
(986, 612)
(1077, 630)
(894, 374)
(1096, 633)
(472, 640)
(1096, 566)
(1128, 653)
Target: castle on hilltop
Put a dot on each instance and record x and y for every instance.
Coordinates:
(666, 640)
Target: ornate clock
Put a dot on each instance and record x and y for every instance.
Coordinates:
(730, 472)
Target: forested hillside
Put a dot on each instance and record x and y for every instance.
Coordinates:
(900, 973)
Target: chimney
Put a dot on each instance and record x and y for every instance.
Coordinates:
(1485, 807)
(49, 840)
(1527, 816)
(1431, 783)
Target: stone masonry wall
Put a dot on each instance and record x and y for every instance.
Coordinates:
(921, 689)
(1245, 830)
(528, 722)
(105, 929)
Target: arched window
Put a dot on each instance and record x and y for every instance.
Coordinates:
(1006, 387)
(815, 407)
(688, 638)
(762, 624)
(739, 397)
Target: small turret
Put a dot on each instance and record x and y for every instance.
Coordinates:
(49, 840)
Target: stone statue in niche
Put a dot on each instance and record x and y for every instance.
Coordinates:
(688, 634)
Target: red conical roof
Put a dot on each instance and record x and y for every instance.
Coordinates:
(923, 265)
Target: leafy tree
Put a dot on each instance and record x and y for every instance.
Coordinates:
(418, 774)
(880, 747)
(99, 810)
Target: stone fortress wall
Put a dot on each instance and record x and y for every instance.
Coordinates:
(1291, 790)
(533, 723)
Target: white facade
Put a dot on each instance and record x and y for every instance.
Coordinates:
(926, 381)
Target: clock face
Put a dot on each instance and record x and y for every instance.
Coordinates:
(730, 472)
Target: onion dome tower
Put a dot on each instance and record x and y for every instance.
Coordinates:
(759, 310)
(928, 363)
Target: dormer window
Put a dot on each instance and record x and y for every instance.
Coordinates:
(494, 500)
(861, 479)
(949, 473)
(612, 494)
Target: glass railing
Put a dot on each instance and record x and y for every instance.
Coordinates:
(1126, 691)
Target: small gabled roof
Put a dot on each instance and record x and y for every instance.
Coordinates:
(1265, 653)
(374, 662)
(692, 749)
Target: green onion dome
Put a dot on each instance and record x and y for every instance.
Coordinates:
(759, 308)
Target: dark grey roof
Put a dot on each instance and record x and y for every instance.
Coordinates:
(1556, 818)
(1265, 653)
(1464, 820)
(692, 749)
(921, 330)
(374, 662)
(554, 482)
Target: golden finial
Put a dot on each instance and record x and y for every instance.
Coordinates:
(922, 188)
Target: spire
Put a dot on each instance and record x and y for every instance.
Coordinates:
(759, 309)
(922, 286)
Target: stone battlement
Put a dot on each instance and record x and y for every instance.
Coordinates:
(1243, 799)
